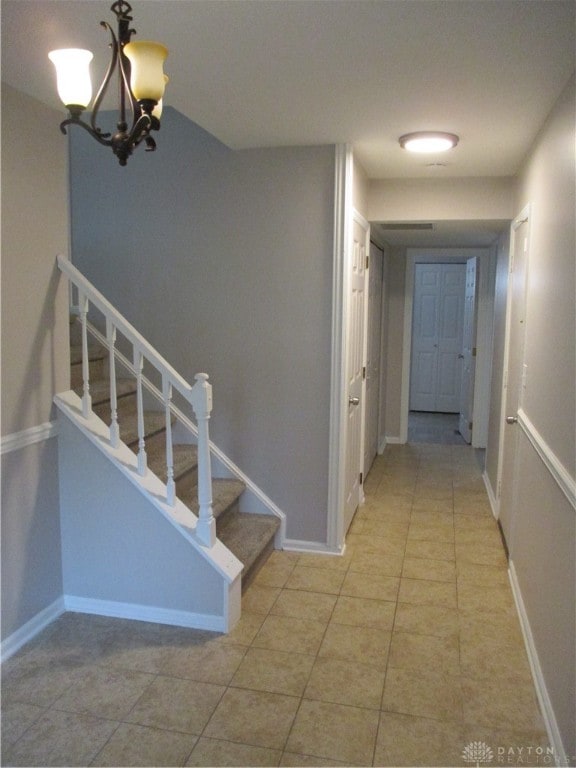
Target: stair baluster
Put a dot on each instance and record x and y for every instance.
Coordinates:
(139, 367)
(115, 398)
(114, 428)
(170, 484)
(202, 405)
(84, 304)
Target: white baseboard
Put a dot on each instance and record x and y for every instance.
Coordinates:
(491, 495)
(145, 613)
(28, 631)
(539, 682)
(310, 547)
(393, 440)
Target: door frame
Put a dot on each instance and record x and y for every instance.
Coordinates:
(487, 262)
(521, 218)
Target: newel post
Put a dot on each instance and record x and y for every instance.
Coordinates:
(202, 404)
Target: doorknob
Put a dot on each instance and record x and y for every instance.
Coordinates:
(460, 357)
(353, 400)
(511, 419)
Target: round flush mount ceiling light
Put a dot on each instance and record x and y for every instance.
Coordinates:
(428, 141)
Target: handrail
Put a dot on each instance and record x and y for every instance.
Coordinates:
(120, 322)
(199, 396)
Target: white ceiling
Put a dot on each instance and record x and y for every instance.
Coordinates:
(290, 72)
(294, 72)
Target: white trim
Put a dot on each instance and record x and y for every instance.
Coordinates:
(28, 631)
(537, 674)
(393, 440)
(357, 218)
(482, 379)
(553, 464)
(311, 547)
(30, 436)
(189, 425)
(382, 443)
(221, 559)
(337, 436)
(523, 216)
(491, 495)
(145, 613)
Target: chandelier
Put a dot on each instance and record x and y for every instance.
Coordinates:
(141, 83)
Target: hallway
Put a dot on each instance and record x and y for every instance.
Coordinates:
(405, 651)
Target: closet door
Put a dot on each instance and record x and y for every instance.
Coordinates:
(435, 372)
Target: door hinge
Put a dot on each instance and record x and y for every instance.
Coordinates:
(361, 478)
(470, 425)
(473, 351)
(364, 372)
(367, 262)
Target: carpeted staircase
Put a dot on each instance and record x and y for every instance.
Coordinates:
(250, 537)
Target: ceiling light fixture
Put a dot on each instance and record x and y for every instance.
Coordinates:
(428, 141)
(141, 84)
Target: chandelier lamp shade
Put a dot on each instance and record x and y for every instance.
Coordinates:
(141, 84)
(428, 141)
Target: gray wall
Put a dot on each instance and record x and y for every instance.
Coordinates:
(35, 355)
(118, 548)
(394, 329)
(223, 260)
(543, 542)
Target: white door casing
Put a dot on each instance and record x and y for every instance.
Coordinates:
(485, 307)
(435, 376)
(355, 365)
(513, 372)
(468, 351)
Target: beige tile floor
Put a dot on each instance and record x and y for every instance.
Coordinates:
(403, 652)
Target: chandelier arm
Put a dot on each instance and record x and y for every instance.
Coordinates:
(110, 71)
(103, 138)
(150, 144)
(140, 130)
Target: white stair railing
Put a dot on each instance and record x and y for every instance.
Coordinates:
(198, 396)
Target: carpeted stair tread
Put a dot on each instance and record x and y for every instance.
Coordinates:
(247, 536)
(154, 421)
(100, 390)
(225, 493)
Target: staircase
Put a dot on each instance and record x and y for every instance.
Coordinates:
(250, 537)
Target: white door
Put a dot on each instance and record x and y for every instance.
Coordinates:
(355, 360)
(374, 344)
(512, 399)
(435, 373)
(468, 351)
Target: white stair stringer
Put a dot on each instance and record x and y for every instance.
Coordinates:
(118, 552)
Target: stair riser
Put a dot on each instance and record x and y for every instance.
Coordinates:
(223, 519)
(249, 576)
